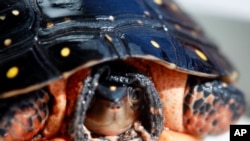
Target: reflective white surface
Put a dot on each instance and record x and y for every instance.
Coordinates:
(236, 9)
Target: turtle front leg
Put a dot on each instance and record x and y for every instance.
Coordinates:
(144, 133)
(210, 107)
(22, 117)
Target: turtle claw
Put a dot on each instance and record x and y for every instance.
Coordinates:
(144, 134)
(90, 138)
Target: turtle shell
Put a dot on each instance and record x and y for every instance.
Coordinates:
(42, 41)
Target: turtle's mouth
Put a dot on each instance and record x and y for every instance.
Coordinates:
(109, 118)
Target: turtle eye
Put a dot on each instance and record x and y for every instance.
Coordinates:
(135, 96)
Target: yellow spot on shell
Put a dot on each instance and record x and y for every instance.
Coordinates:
(49, 24)
(7, 42)
(15, 12)
(155, 44)
(2, 18)
(65, 52)
(12, 72)
(112, 88)
(201, 55)
(158, 2)
(108, 38)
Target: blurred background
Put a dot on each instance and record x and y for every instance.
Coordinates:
(227, 23)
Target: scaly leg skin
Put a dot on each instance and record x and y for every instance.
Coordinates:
(211, 106)
(23, 117)
(144, 134)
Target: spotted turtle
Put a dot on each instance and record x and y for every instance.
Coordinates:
(111, 70)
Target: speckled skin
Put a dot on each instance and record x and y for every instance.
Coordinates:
(171, 90)
(210, 106)
(171, 86)
(23, 120)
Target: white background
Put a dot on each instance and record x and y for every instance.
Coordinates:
(232, 9)
(227, 22)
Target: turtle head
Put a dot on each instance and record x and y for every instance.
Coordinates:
(118, 101)
(114, 108)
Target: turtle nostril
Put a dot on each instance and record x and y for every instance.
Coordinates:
(115, 105)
